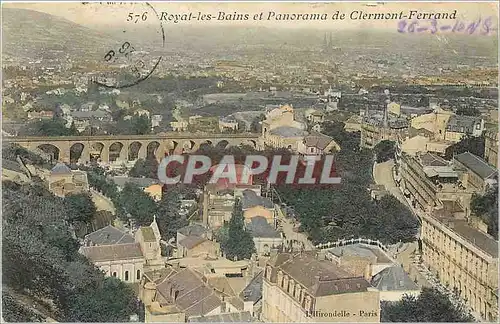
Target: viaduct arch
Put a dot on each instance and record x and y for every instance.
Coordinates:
(111, 148)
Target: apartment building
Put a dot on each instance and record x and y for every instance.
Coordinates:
(376, 128)
(305, 287)
(480, 175)
(428, 180)
(463, 258)
(491, 147)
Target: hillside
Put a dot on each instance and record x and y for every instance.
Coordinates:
(29, 33)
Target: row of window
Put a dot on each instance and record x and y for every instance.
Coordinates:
(292, 288)
(126, 278)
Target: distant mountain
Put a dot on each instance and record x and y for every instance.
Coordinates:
(30, 33)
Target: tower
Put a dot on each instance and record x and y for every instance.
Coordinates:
(330, 45)
(325, 43)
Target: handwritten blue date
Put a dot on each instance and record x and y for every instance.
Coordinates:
(432, 26)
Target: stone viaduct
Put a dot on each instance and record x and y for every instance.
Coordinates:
(123, 148)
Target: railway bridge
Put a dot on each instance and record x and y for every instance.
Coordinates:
(111, 148)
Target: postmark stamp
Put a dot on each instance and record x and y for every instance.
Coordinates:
(136, 54)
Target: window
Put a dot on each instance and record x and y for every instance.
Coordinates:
(126, 275)
(138, 274)
(114, 274)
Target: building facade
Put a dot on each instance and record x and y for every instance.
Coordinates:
(307, 288)
(491, 148)
(464, 259)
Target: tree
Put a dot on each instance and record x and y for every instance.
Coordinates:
(486, 207)
(168, 218)
(52, 127)
(112, 301)
(346, 140)
(385, 150)
(41, 262)
(141, 125)
(430, 306)
(147, 168)
(82, 207)
(474, 145)
(137, 204)
(239, 244)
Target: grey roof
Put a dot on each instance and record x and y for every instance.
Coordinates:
(261, 228)
(193, 230)
(251, 199)
(89, 114)
(393, 279)
(319, 277)
(113, 252)
(120, 181)
(429, 159)
(288, 131)
(228, 317)
(361, 250)
(109, 235)
(462, 124)
(476, 237)
(194, 297)
(60, 168)
(317, 140)
(476, 165)
(190, 242)
(253, 291)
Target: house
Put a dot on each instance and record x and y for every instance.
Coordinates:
(317, 144)
(265, 237)
(197, 246)
(43, 114)
(122, 255)
(480, 175)
(394, 283)
(63, 181)
(254, 205)
(459, 126)
(309, 286)
(176, 295)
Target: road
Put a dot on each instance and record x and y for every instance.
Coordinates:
(101, 202)
(291, 236)
(382, 173)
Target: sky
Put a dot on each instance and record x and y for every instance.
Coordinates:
(96, 14)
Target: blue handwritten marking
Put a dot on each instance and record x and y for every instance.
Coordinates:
(401, 26)
(473, 26)
(479, 26)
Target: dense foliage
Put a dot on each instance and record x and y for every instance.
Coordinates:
(346, 210)
(50, 127)
(486, 207)
(41, 260)
(430, 306)
(168, 218)
(237, 243)
(145, 168)
(474, 145)
(385, 150)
